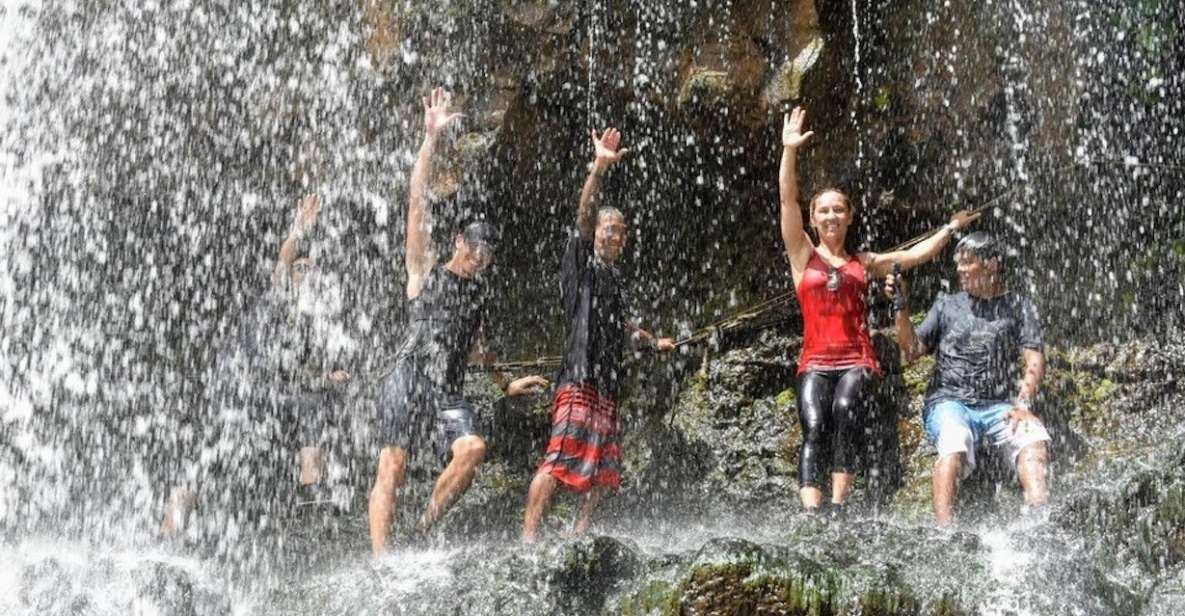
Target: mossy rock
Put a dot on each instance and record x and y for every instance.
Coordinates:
(706, 89)
(741, 588)
(916, 375)
(654, 598)
(589, 569)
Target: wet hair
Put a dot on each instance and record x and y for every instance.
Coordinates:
(832, 189)
(607, 210)
(982, 245)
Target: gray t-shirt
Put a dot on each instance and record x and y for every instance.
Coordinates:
(978, 345)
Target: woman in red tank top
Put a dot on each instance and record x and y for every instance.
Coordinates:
(837, 364)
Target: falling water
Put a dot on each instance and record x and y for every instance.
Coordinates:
(151, 155)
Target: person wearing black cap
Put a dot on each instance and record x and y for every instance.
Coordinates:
(977, 392)
(421, 399)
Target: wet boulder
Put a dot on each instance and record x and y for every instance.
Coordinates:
(589, 570)
(739, 419)
(47, 588)
(546, 16)
(737, 576)
(1168, 597)
(163, 588)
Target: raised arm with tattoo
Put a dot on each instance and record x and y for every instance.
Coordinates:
(419, 260)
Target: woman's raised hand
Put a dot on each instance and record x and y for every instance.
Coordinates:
(792, 135)
(436, 113)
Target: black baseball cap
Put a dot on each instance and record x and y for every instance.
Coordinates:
(480, 233)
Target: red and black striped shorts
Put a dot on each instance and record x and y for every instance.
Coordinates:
(585, 448)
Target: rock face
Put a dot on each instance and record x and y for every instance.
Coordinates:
(737, 423)
(733, 433)
(139, 247)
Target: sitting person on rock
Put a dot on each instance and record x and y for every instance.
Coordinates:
(977, 393)
(584, 451)
(837, 363)
(421, 400)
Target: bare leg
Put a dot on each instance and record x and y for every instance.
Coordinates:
(177, 511)
(587, 505)
(1030, 467)
(841, 486)
(946, 487)
(391, 473)
(468, 453)
(812, 497)
(538, 502)
(310, 466)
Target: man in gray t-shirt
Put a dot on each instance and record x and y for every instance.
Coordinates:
(977, 391)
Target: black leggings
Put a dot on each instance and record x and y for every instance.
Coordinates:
(832, 408)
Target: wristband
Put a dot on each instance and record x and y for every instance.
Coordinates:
(1023, 403)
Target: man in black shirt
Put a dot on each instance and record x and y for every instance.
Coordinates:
(584, 451)
(977, 391)
(421, 402)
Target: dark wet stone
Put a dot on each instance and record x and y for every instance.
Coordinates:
(46, 588)
(588, 570)
(727, 549)
(1168, 597)
(165, 587)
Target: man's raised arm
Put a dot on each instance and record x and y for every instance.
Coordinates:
(419, 255)
(606, 154)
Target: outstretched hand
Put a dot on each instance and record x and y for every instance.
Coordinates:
(665, 344)
(792, 135)
(606, 149)
(307, 209)
(961, 219)
(527, 385)
(436, 113)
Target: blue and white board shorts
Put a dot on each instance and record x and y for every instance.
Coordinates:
(955, 427)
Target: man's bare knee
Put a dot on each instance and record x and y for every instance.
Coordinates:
(1037, 453)
(469, 450)
(957, 459)
(542, 481)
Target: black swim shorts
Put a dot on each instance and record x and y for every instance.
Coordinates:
(415, 412)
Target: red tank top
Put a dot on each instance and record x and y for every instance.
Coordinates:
(835, 317)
